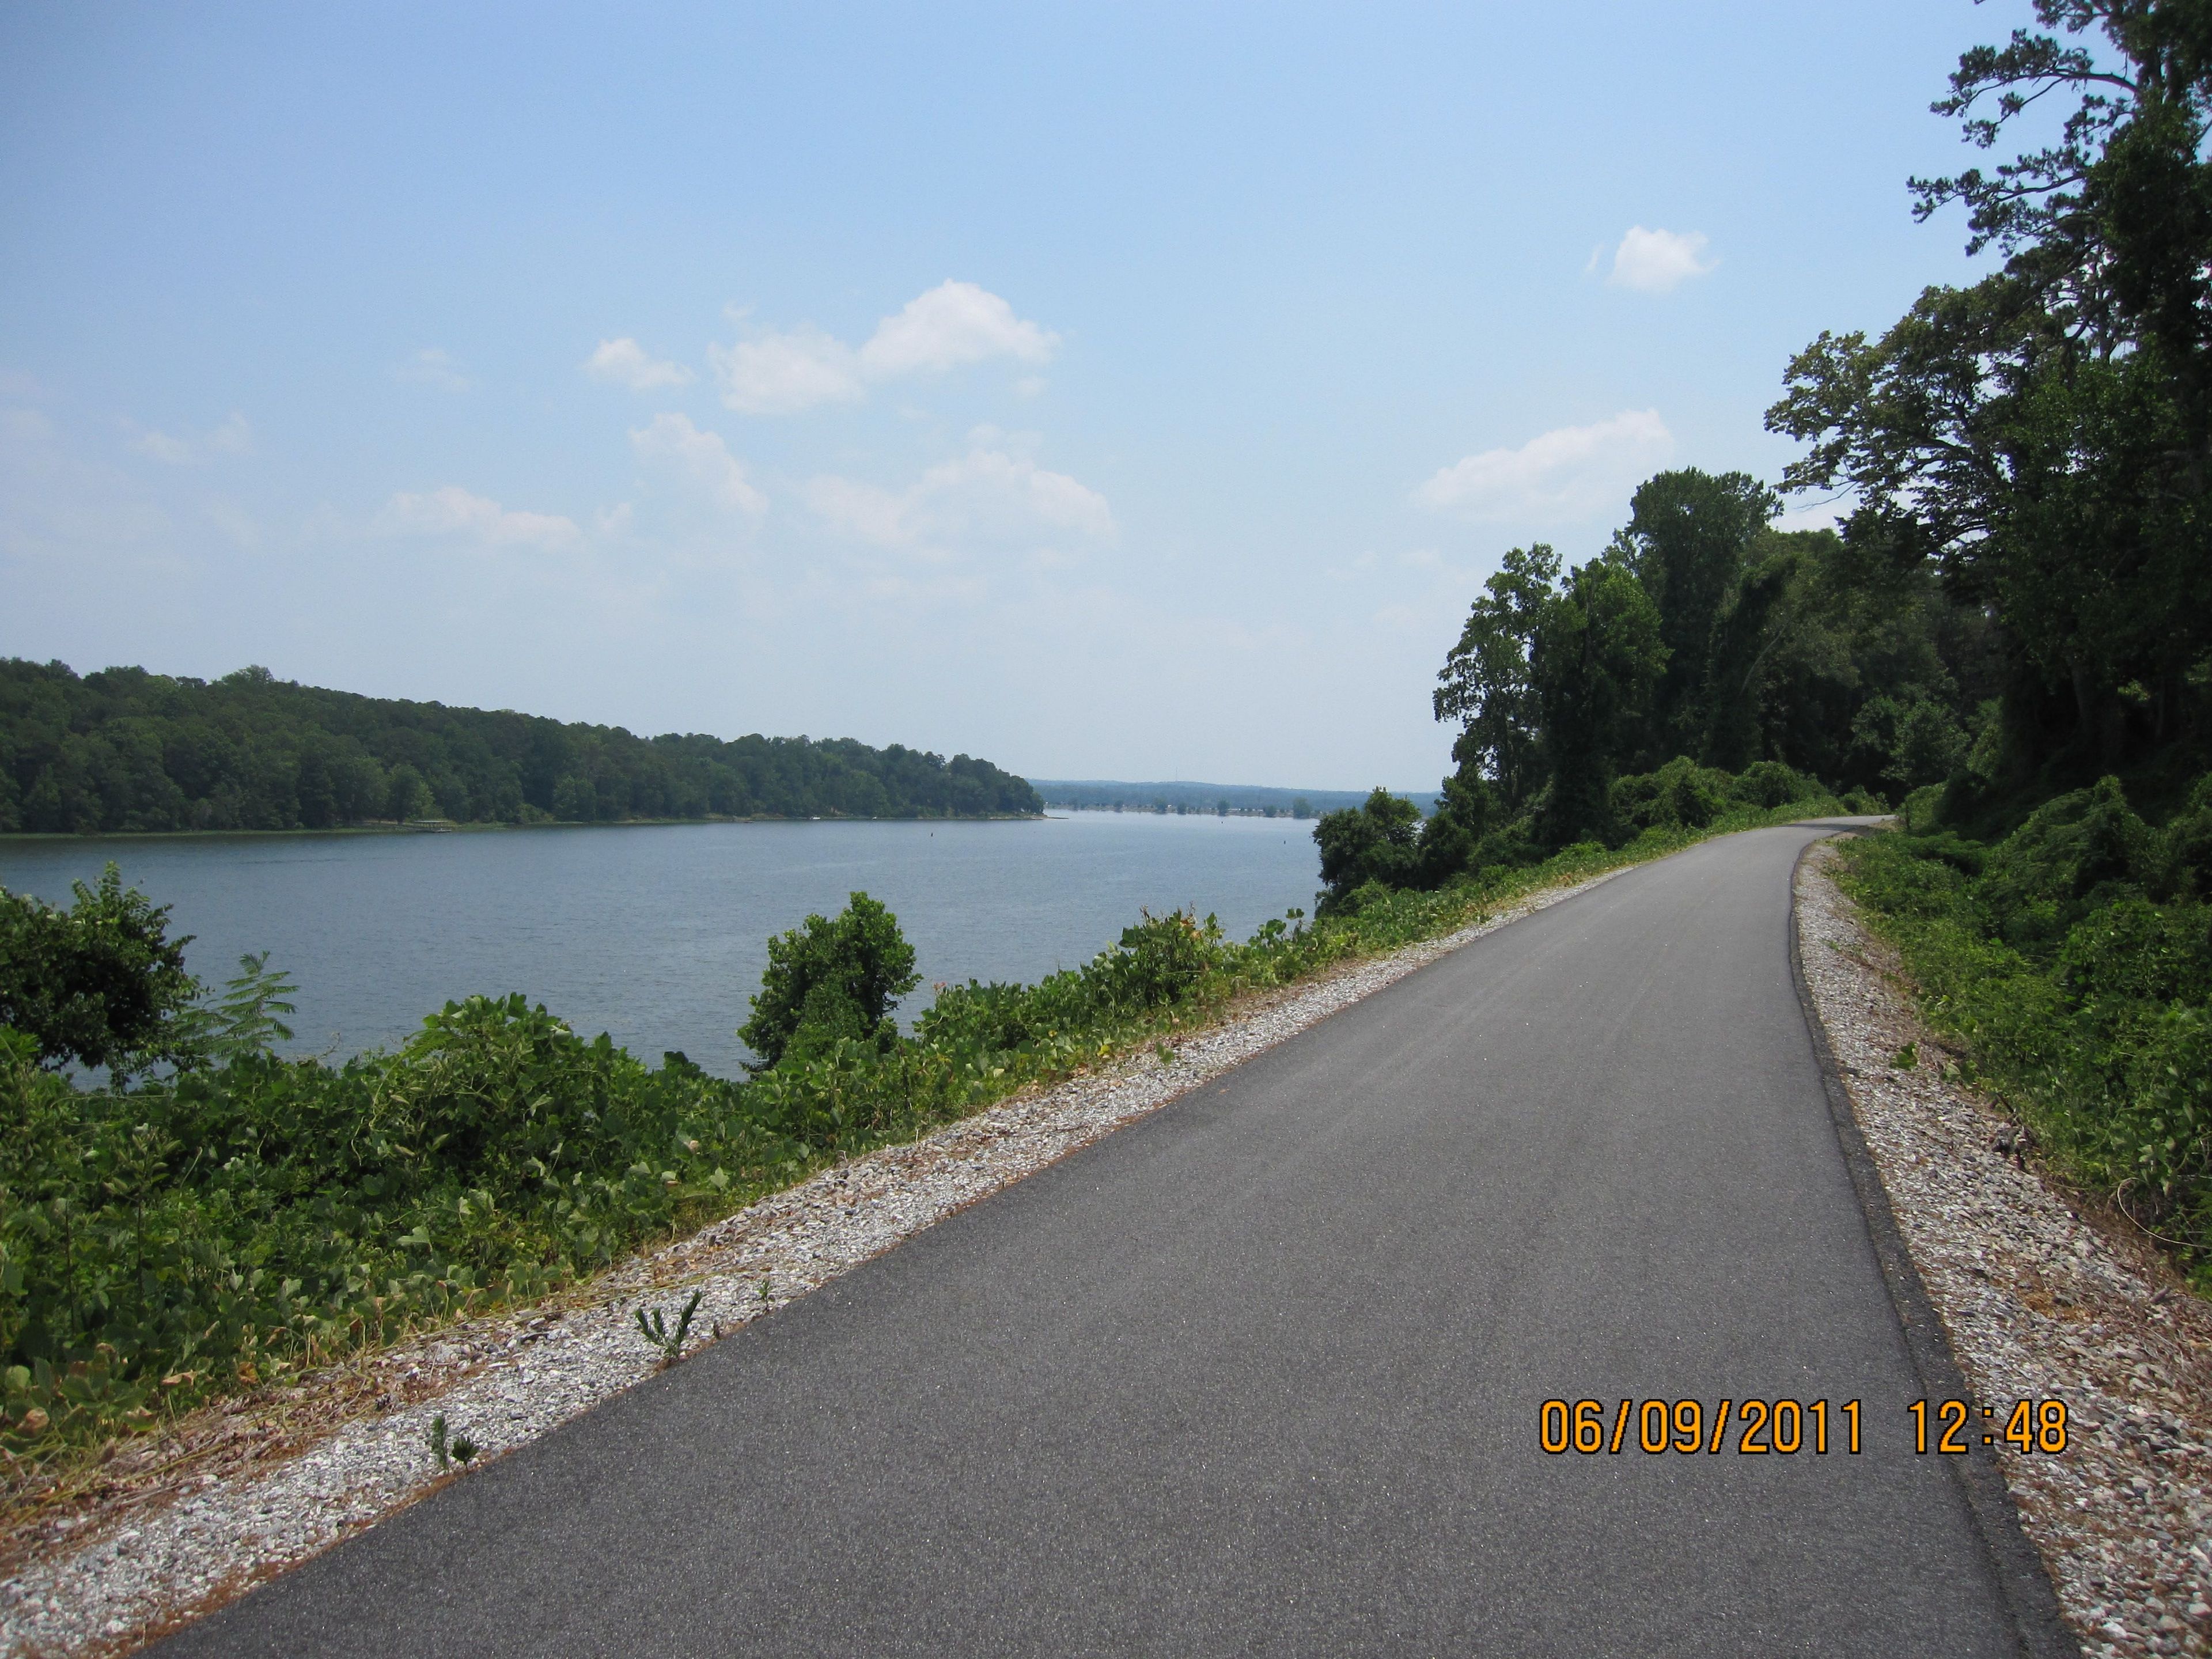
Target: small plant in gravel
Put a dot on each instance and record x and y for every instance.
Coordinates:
(670, 1343)
(448, 1450)
(1905, 1058)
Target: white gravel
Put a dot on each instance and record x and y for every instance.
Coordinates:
(139, 1572)
(2041, 1302)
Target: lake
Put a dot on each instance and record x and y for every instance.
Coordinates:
(658, 934)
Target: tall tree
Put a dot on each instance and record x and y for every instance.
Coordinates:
(1486, 684)
(1688, 537)
(1596, 661)
(2045, 437)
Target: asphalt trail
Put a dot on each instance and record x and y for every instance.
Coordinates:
(1261, 1374)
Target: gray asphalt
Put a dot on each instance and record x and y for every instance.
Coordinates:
(1261, 1374)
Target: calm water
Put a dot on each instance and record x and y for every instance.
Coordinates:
(658, 934)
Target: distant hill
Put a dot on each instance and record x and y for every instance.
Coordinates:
(1206, 797)
(124, 749)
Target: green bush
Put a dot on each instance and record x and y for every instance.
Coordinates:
(2080, 997)
(1681, 794)
(831, 981)
(100, 984)
(1770, 784)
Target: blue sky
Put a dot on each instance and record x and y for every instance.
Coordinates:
(1137, 392)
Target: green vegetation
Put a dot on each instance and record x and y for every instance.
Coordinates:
(99, 984)
(2072, 961)
(127, 750)
(2012, 631)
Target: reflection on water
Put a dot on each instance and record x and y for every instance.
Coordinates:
(658, 934)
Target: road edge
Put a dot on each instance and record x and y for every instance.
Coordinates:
(2015, 1565)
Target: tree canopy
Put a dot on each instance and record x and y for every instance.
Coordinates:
(124, 749)
(2043, 439)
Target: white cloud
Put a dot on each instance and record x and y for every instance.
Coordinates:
(454, 511)
(624, 362)
(952, 324)
(433, 366)
(1654, 261)
(701, 459)
(778, 373)
(1571, 472)
(232, 437)
(988, 496)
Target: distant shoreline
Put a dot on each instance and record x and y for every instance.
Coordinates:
(11, 836)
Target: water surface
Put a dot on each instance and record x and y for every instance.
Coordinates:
(657, 933)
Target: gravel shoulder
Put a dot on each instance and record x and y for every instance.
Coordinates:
(2044, 1296)
(237, 1496)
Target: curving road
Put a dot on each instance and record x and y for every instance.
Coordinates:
(1262, 1374)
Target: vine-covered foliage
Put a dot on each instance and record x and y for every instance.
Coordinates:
(2073, 961)
(124, 749)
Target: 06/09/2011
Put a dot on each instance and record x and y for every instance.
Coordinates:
(1761, 1426)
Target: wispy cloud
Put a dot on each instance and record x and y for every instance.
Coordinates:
(625, 362)
(953, 324)
(1567, 472)
(992, 496)
(232, 437)
(701, 459)
(433, 366)
(1655, 261)
(781, 373)
(457, 513)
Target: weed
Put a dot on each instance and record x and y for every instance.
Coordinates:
(1906, 1058)
(437, 1438)
(655, 1330)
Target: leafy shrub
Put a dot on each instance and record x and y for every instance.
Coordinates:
(1681, 794)
(100, 983)
(1769, 784)
(2072, 854)
(1378, 840)
(833, 981)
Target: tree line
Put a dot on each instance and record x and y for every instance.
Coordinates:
(123, 750)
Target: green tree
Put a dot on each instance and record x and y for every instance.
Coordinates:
(1596, 661)
(100, 983)
(1688, 537)
(830, 978)
(2045, 437)
(1379, 839)
(1487, 683)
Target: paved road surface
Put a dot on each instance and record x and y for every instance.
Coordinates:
(1261, 1374)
